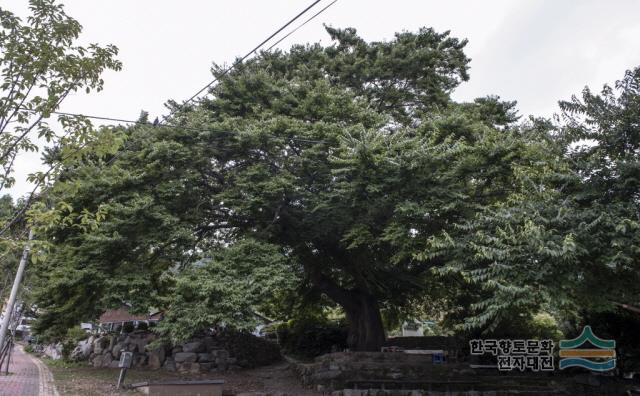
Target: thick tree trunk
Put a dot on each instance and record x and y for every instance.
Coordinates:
(366, 332)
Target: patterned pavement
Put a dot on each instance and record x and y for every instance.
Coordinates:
(28, 376)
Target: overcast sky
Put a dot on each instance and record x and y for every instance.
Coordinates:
(535, 52)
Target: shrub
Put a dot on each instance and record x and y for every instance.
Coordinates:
(76, 334)
(308, 339)
(525, 326)
(70, 340)
(249, 350)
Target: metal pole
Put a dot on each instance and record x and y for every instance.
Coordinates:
(14, 291)
(123, 372)
(6, 370)
(3, 355)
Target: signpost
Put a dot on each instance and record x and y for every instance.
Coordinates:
(124, 364)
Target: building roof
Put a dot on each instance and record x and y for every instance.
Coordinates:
(123, 315)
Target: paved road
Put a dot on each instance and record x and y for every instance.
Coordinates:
(28, 376)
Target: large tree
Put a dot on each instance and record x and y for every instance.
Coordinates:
(351, 158)
(346, 160)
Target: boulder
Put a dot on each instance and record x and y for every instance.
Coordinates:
(83, 349)
(117, 348)
(204, 357)
(209, 343)
(156, 358)
(222, 364)
(97, 348)
(102, 360)
(195, 346)
(140, 341)
(139, 360)
(112, 342)
(189, 357)
(219, 353)
(100, 344)
(169, 364)
(54, 351)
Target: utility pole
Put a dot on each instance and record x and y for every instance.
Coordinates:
(14, 291)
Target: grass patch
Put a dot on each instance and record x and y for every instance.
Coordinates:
(61, 363)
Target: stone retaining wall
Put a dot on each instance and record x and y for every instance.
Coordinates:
(365, 373)
(203, 354)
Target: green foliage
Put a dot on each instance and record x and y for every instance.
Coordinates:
(41, 65)
(70, 340)
(76, 334)
(250, 351)
(147, 231)
(310, 338)
(233, 287)
(321, 168)
(62, 363)
(524, 325)
(346, 172)
(566, 236)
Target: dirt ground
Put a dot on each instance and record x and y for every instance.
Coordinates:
(83, 380)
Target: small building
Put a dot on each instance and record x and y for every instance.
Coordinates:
(417, 328)
(115, 319)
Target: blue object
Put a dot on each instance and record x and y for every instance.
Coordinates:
(437, 358)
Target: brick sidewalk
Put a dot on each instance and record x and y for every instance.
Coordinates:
(28, 376)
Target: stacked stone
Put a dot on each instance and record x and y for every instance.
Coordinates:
(196, 356)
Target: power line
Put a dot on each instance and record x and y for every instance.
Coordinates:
(301, 25)
(165, 118)
(239, 61)
(188, 128)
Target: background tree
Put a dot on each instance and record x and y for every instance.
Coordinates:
(41, 65)
(566, 237)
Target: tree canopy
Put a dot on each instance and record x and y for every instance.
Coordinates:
(344, 171)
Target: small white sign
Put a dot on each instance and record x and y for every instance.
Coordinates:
(125, 360)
